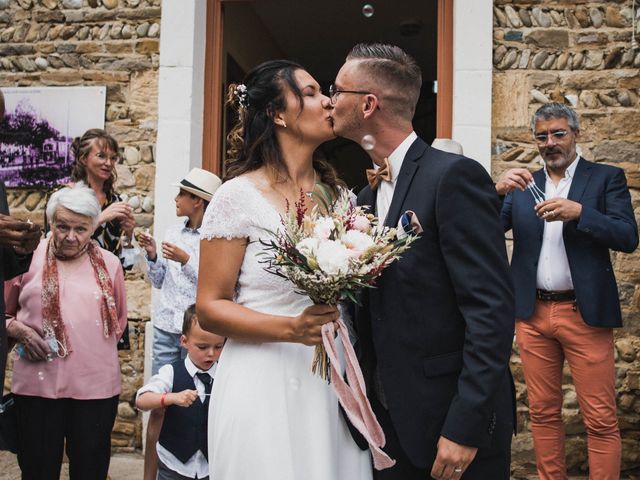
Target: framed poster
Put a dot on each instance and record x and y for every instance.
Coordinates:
(37, 130)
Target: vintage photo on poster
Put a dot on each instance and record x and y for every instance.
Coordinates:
(37, 130)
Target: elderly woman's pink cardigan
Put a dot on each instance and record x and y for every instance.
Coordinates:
(91, 370)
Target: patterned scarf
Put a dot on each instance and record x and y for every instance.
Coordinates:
(52, 322)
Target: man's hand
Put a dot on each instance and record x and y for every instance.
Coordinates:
(22, 236)
(175, 253)
(558, 210)
(452, 460)
(514, 178)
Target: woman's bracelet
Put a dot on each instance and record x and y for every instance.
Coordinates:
(164, 395)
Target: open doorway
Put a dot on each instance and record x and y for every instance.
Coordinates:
(318, 35)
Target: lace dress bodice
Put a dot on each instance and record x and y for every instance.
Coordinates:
(239, 210)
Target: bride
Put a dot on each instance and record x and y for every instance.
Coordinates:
(270, 417)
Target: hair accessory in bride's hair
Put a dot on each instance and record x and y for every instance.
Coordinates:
(241, 94)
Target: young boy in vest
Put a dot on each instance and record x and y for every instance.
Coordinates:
(174, 270)
(183, 389)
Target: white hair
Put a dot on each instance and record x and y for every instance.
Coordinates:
(79, 199)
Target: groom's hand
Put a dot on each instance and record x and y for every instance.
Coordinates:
(452, 460)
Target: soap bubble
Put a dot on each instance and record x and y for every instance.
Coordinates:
(368, 142)
(368, 10)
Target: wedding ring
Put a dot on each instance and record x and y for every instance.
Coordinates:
(457, 470)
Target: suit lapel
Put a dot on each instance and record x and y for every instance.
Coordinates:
(405, 176)
(580, 180)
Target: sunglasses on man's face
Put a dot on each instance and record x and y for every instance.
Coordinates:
(543, 138)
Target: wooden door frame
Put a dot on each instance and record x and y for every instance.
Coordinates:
(444, 98)
(213, 97)
(213, 104)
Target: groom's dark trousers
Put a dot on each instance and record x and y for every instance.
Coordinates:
(435, 336)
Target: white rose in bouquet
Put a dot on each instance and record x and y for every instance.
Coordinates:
(333, 257)
(323, 227)
(308, 247)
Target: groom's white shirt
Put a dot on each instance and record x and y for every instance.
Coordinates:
(386, 189)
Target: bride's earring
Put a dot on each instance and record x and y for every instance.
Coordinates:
(284, 124)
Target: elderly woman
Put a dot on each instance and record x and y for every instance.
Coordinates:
(67, 314)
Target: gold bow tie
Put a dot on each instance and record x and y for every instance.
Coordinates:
(375, 176)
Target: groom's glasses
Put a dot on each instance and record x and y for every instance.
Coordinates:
(334, 92)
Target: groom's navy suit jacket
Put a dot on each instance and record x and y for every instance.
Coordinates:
(439, 325)
(606, 222)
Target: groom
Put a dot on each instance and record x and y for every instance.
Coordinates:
(435, 336)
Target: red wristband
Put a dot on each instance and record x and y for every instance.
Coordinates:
(162, 400)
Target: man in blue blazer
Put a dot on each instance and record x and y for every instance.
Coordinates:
(565, 218)
(435, 336)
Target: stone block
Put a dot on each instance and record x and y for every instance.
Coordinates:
(581, 81)
(89, 47)
(130, 64)
(548, 38)
(592, 38)
(119, 47)
(506, 112)
(145, 177)
(126, 411)
(626, 349)
(147, 46)
(138, 299)
(125, 428)
(633, 379)
(623, 123)
(614, 18)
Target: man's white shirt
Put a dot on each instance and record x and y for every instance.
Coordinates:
(553, 265)
(386, 189)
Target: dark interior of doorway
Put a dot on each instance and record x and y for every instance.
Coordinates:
(318, 35)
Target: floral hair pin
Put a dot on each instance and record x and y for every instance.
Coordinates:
(241, 94)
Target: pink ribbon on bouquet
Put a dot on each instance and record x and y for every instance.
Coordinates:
(352, 396)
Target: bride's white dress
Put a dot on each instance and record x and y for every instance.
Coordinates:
(270, 418)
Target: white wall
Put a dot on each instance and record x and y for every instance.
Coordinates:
(180, 101)
(472, 76)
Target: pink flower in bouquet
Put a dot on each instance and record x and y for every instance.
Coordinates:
(357, 242)
(361, 223)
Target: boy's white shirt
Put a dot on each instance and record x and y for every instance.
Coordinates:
(177, 283)
(162, 382)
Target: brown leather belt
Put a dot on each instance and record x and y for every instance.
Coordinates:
(556, 296)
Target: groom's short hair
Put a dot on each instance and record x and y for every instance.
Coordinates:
(394, 69)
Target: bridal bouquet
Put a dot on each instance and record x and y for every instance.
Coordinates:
(332, 251)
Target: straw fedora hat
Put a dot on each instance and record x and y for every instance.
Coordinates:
(200, 182)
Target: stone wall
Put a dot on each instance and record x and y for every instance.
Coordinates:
(578, 52)
(112, 43)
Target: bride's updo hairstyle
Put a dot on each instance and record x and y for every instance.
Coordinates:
(252, 142)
